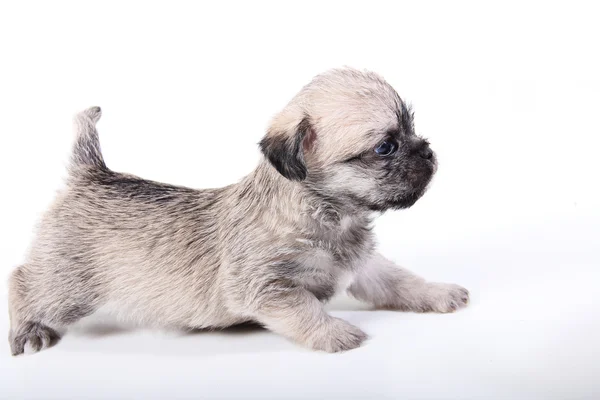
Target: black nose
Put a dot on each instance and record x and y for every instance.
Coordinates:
(425, 152)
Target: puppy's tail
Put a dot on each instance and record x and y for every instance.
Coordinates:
(86, 150)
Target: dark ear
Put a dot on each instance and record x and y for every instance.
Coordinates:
(285, 150)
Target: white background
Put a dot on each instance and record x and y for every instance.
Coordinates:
(509, 96)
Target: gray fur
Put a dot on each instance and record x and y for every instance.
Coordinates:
(269, 249)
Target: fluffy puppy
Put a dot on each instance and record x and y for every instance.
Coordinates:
(270, 249)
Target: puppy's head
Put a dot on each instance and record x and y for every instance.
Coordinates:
(350, 138)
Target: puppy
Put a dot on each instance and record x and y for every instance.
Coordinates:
(270, 249)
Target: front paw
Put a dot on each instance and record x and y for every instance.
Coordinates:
(336, 335)
(445, 297)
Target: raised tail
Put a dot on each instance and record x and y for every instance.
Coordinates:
(86, 150)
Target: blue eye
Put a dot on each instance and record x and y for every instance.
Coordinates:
(386, 148)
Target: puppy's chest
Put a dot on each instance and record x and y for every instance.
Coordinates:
(329, 263)
(319, 274)
(348, 244)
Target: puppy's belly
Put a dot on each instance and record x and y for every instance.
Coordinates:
(169, 315)
(168, 301)
(175, 312)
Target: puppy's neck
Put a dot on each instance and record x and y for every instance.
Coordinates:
(293, 200)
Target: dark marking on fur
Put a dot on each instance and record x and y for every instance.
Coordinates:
(286, 153)
(73, 313)
(137, 188)
(323, 293)
(288, 271)
(405, 116)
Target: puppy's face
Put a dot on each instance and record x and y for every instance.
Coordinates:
(350, 138)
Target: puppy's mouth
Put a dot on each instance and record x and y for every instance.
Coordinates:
(403, 199)
(418, 181)
(406, 200)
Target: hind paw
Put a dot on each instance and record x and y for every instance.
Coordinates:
(38, 336)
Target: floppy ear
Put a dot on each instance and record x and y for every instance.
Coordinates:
(284, 148)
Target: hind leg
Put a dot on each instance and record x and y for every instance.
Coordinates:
(38, 305)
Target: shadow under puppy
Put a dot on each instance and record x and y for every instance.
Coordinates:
(269, 249)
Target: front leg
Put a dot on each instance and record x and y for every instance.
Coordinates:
(386, 285)
(296, 313)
